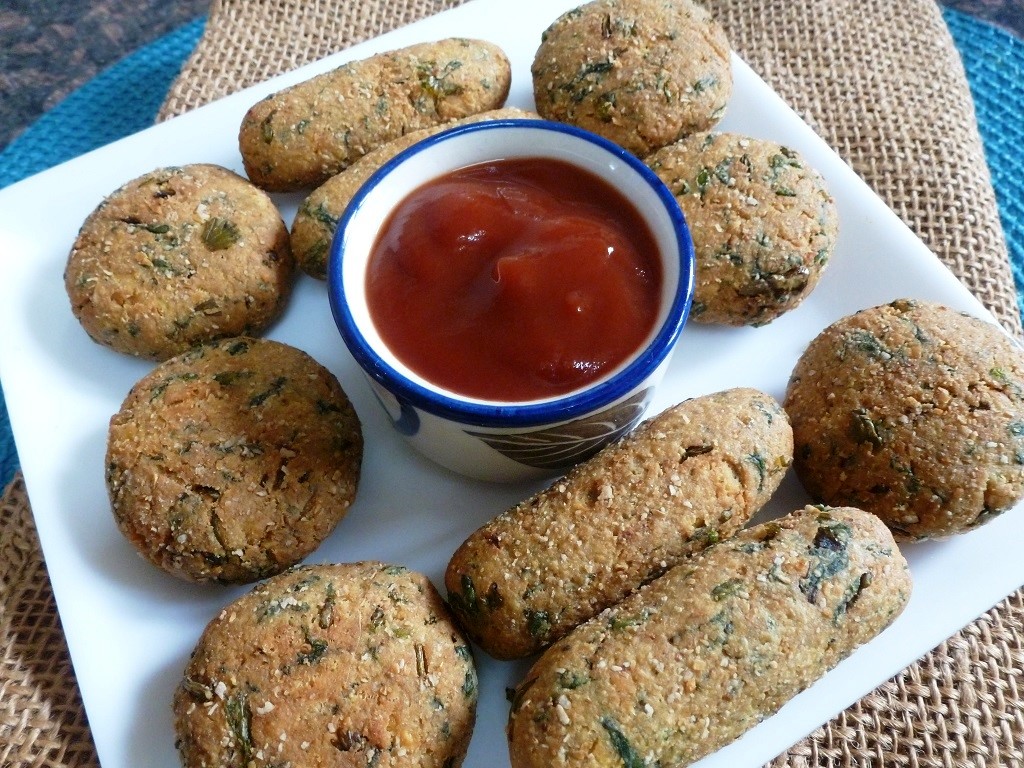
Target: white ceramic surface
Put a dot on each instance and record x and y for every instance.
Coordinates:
(130, 628)
(493, 440)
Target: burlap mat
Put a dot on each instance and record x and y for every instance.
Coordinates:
(883, 84)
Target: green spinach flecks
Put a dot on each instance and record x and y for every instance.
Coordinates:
(326, 615)
(227, 378)
(438, 85)
(859, 340)
(727, 589)
(761, 465)
(706, 535)
(274, 389)
(864, 429)
(239, 717)
(317, 649)
(158, 390)
(623, 748)
(320, 213)
(465, 600)
(828, 556)
(469, 684)
(572, 680)
(624, 621)
(851, 595)
(538, 623)
(705, 83)
(219, 234)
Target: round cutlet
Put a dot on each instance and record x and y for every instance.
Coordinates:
(763, 223)
(912, 411)
(233, 461)
(641, 73)
(330, 665)
(178, 257)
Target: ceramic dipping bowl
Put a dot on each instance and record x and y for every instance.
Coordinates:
(498, 439)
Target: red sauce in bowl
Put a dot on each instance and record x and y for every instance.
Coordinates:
(514, 280)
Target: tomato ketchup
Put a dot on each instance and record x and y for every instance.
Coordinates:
(513, 280)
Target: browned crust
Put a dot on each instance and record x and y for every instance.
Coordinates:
(317, 217)
(233, 461)
(178, 257)
(642, 73)
(683, 480)
(301, 136)
(352, 664)
(711, 648)
(763, 223)
(912, 411)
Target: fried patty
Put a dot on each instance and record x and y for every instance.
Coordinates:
(684, 480)
(915, 412)
(233, 461)
(330, 665)
(301, 136)
(763, 223)
(178, 257)
(641, 73)
(717, 644)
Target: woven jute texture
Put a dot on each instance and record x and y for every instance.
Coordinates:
(883, 84)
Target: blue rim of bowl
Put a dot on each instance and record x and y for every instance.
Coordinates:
(529, 414)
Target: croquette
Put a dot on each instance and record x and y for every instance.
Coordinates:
(233, 461)
(317, 218)
(177, 257)
(682, 481)
(641, 73)
(704, 653)
(763, 222)
(352, 664)
(913, 411)
(299, 137)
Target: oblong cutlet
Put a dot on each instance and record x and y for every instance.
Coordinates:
(299, 137)
(316, 221)
(680, 482)
(717, 644)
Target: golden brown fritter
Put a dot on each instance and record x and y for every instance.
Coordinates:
(178, 257)
(329, 665)
(707, 651)
(317, 218)
(912, 411)
(680, 482)
(763, 223)
(233, 461)
(301, 136)
(641, 73)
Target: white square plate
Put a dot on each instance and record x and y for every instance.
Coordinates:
(130, 627)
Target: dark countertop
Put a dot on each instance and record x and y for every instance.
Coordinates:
(50, 47)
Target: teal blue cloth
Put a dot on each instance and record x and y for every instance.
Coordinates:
(126, 98)
(994, 61)
(119, 101)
